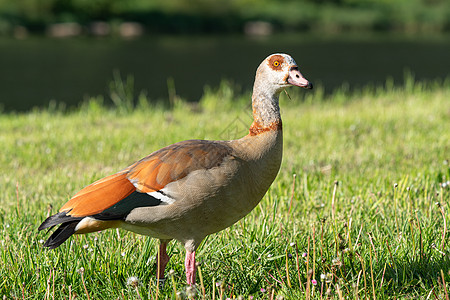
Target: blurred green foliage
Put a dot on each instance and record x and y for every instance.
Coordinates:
(200, 16)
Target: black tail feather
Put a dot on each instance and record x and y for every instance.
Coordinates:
(61, 234)
(116, 212)
(64, 231)
(56, 219)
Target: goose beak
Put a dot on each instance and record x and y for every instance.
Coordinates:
(296, 78)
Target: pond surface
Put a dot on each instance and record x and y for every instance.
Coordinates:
(36, 70)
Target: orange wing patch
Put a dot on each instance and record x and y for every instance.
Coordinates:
(150, 174)
(174, 162)
(99, 196)
(146, 170)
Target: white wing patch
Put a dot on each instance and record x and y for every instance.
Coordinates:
(162, 196)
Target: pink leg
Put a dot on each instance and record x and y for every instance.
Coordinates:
(189, 263)
(162, 259)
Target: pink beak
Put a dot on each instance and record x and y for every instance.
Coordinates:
(296, 78)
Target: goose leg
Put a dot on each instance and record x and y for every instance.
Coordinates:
(189, 264)
(162, 259)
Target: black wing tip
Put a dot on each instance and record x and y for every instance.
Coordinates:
(61, 234)
(46, 224)
(53, 220)
(50, 245)
(67, 228)
(58, 218)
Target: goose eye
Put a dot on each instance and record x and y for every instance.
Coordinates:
(276, 63)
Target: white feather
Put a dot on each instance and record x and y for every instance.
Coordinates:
(163, 197)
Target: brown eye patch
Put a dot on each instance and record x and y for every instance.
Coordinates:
(275, 62)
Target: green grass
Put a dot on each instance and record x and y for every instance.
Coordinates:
(354, 207)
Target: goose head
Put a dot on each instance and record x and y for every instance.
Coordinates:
(279, 71)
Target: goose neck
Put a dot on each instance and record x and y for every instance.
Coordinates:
(266, 112)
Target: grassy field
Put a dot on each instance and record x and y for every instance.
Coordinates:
(359, 209)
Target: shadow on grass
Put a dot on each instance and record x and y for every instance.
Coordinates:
(416, 273)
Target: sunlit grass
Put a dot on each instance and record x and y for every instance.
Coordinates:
(359, 209)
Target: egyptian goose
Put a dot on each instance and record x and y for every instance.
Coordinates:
(193, 188)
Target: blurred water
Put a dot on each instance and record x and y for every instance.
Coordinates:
(36, 70)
